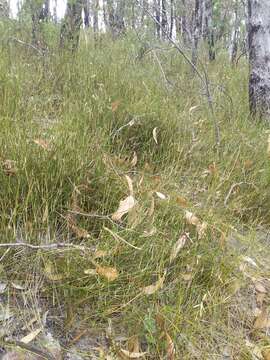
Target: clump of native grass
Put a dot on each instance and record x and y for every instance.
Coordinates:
(86, 135)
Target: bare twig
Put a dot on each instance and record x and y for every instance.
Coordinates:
(53, 246)
(40, 52)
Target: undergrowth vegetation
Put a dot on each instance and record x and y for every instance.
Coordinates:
(80, 133)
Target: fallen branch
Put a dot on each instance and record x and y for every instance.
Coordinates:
(40, 52)
(53, 246)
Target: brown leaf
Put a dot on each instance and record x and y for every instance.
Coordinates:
(42, 143)
(9, 167)
(115, 105)
(178, 246)
(132, 355)
(108, 272)
(213, 170)
(170, 347)
(266, 354)
(130, 185)
(262, 321)
(124, 207)
(100, 254)
(182, 201)
(151, 289)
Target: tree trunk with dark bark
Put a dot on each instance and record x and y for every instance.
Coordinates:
(259, 57)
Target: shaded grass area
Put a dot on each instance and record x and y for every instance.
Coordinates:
(70, 129)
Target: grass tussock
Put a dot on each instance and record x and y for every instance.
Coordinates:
(72, 129)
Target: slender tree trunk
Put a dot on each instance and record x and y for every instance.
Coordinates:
(164, 20)
(86, 11)
(171, 18)
(119, 17)
(196, 32)
(157, 16)
(71, 25)
(95, 16)
(46, 10)
(55, 12)
(209, 29)
(259, 57)
(234, 36)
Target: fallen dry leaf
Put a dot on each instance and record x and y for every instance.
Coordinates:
(150, 232)
(187, 276)
(170, 347)
(259, 287)
(160, 195)
(90, 272)
(108, 272)
(31, 336)
(182, 201)
(155, 135)
(124, 207)
(151, 289)
(100, 254)
(262, 321)
(201, 229)
(132, 355)
(134, 159)
(130, 185)
(3, 287)
(133, 344)
(42, 143)
(191, 219)
(180, 243)
(266, 354)
(115, 105)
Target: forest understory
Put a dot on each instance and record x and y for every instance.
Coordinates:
(134, 218)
